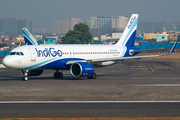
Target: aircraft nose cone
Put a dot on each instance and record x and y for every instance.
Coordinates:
(6, 62)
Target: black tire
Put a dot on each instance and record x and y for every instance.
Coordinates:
(90, 77)
(25, 78)
(93, 76)
(56, 75)
(60, 75)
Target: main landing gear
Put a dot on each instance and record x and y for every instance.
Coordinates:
(93, 76)
(58, 75)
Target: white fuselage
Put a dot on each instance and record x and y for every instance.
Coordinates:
(35, 56)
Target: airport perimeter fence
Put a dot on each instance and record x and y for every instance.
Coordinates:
(6, 52)
(157, 46)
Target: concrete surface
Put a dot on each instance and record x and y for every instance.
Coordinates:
(148, 80)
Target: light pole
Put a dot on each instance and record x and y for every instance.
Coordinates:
(152, 26)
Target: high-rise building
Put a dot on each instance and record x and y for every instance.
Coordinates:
(108, 25)
(101, 22)
(119, 23)
(13, 26)
(62, 26)
(87, 22)
(21, 23)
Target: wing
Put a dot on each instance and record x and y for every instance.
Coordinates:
(112, 59)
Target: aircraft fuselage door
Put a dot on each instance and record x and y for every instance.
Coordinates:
(32, 54)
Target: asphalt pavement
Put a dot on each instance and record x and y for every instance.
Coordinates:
(152, 86)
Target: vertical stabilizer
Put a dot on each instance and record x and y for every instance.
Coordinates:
(28, 38)
(129, 34)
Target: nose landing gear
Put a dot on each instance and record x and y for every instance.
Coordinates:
(25, 78)
(25, 73)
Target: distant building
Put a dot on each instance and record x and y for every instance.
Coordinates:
(171, 26)
(119, 23)
(10, 43)
(12, 40)
(161, 38)
(41, 31)
(96, 40)
(116, 35)
(48, 40)
(164, 36)
(13, 26)
(173, 36)
(148, 36)
(87, 22)
(108, 25)
(62, 26)
(148, 27)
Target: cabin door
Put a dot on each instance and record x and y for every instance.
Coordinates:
(32, 54)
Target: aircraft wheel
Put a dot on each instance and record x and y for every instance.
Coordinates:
(25, 78)
(58, 75)
(93, 76)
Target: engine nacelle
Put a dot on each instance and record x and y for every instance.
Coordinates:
(82, 69)
(33, 72)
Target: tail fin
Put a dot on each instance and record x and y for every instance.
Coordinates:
(28, 38)
(129, 34)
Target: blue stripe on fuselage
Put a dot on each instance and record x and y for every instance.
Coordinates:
(55, 63)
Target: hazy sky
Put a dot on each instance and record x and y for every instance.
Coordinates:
(43, 12)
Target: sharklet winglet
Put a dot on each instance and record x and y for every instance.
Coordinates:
(172, 49)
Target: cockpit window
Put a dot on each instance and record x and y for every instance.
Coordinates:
(17, 53)
(12, 53)
(21, 53)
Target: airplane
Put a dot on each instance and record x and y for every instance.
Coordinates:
(81, 60)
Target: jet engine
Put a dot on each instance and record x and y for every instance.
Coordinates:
(82, 69)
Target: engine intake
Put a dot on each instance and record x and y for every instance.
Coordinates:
(82, 69)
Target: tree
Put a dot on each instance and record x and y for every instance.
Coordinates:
(72, 37)
(79, 35)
